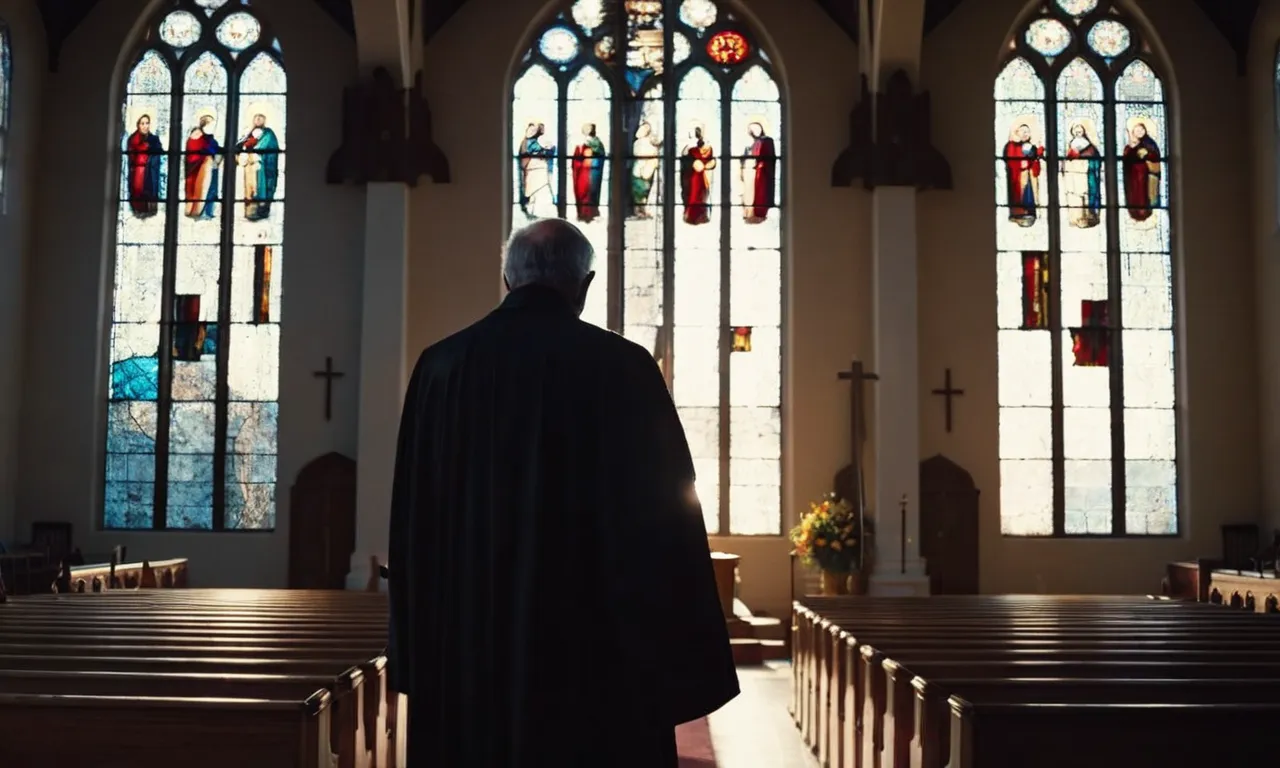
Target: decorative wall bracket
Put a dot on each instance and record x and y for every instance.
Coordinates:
(386, 135)
(889, 141)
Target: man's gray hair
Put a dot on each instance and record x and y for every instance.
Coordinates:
(549, 252)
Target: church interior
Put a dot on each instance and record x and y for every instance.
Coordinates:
(961, 280)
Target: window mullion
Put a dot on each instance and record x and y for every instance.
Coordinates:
(164, 351)
(615, 258)
(668, 187)
(726, 212)
(1115, 317)
(1052, 209)
(222, 393)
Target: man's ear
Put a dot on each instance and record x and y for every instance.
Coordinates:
(584, 287)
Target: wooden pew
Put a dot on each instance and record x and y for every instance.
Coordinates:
(153, 731)
(1048, 735)
(929, 738)
(215, 647)
(1009, 628)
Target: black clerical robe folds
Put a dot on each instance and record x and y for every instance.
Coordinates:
(552, 597)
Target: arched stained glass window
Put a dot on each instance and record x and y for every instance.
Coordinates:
(6, 85)
(195, 333)
(657, 128)
(1088, 433)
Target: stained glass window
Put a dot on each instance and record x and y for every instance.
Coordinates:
(657, 128)
(6, 84)
(1088, 433)
(193, 380)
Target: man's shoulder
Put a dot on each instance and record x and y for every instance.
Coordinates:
(611, 343)
(600, 347)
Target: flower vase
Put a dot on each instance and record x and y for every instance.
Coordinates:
(835, 583)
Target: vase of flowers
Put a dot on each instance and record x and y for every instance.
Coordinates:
(831, 537)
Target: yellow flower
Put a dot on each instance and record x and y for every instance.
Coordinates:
(850, 542)
(821, 542)
(836, 545)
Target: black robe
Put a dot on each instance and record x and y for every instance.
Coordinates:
(552, 596)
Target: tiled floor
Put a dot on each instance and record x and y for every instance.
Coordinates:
(755, 730)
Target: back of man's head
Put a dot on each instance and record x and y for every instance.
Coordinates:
(551, 253)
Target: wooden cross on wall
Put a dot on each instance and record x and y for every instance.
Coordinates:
(856, 375)
(948, 392)
(328, 374)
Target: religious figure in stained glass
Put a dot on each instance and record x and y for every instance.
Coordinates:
(1023, 159)
(588, 173)
(697, 163)
(145, 153)
(1088, 439)
(193, 377)
(258, 154)
(758, 168)
(644, 167)
(536, 195)
(1141, 165)
(690, 91)
(1082, 177)
(202, 161)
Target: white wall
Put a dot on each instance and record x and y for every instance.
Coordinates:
(26, 150)
(69, 289)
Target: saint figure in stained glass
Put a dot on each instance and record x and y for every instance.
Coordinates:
(1082, 177)
(759, 164)
(258, 154)
(697, 163)
(687, 91)
(1088, 438)
(1141, 165)
(202, 162)
(145, 153)
(588, 173)
(536, 195)
(1023, 158)
(192, 420)
(644, 167)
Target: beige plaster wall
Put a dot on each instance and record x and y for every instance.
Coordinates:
(26, 37)
(1260, 96)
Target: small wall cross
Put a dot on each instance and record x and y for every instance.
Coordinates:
(948, 392)
(328, 374)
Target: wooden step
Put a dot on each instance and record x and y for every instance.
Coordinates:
(774, 650)
(747, 652)
(767, 627)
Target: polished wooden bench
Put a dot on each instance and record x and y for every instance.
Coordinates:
(844, 717)
(264, 644)
(1102, 735)
(155, 731)
(923, 724)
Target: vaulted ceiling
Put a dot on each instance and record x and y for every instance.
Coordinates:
(1232, 18)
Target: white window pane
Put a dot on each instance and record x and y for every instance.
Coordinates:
(1025, 373)
(1026, 497)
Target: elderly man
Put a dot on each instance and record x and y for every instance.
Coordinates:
(552, 598)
